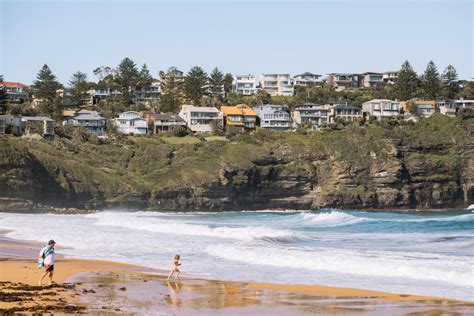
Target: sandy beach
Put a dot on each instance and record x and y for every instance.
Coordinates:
(105, 287)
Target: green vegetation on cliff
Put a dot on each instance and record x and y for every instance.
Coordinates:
(375, 166)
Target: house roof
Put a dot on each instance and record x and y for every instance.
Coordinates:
(307, 74)
(167, 116)
(199, 108)
(241, 109)
(381, 100)
(12, 84)
(373, 73)
(36, 118)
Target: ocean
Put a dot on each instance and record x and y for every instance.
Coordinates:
(425, 253)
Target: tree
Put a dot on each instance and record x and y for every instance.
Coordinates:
(195, 85)
(127, 77)
(103, 71)
(263, 97)
(228, 80)
(430, 81)
(451, 82)
(144, 78)
(407, 82)
(3, 97)
(79, 88)
(216, 85)
(45, 88)
(172, 95)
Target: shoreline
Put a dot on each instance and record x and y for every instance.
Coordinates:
(13, 205)
(89, 284)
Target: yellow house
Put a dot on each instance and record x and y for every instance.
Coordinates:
(239, 116)
(424, 108)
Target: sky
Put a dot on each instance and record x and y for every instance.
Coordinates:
(240, 37)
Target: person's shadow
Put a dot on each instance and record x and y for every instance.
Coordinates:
(173, 297)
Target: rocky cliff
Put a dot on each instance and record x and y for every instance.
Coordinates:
(425, 165)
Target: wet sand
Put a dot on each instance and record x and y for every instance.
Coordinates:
(104, 287)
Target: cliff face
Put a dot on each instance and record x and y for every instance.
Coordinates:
(427, 165)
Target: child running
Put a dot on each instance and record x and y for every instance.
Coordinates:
(174, 268)
(46, 261)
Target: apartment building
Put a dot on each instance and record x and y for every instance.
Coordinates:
(310, 115)
(307, 79)
(199, 118)
(381, 108)
(244, 84)
(273, 116)
(276, 84)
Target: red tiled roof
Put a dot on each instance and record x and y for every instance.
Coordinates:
(12, 84)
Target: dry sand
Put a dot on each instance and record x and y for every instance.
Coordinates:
(103, 287)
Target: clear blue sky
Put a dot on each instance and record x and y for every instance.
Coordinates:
(236, 36)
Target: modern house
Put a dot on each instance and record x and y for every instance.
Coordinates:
(390, 76)
(422, 108)
(241, 116)
(371, 79)
(91, 121)
(131, 122)
(276, 84)
(42, 125)
(244, 84)
(343, 112)
(310, 115)
(161, 122)
(142, 94)
(16, 91)
(381, 108)
(446, 107)
(342, 81)
(273, 116)
(100, 93)
(198, 118)
(307, 79)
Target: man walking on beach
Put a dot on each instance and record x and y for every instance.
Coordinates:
(46, 261)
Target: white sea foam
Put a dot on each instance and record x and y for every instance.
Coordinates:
(417, 266)
(470, 207)
(165, 226)
(334, 218)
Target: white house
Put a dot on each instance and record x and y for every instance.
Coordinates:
(276, 84)
(381, 108)
(131, 122)
(307, 79)
(390, 76)
(244, 84)
(198, 118)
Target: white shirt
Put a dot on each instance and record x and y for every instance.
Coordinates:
(49, 259)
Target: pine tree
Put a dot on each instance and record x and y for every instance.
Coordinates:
(228, 80)
(79, 88)
(407, 82)
(127, 77)
(144, 77)
(3, 97)
(45, 88)
(451, 82)
(430, 81)
(216, 85)
(263, 97)
(172, 95)
(195, 85)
